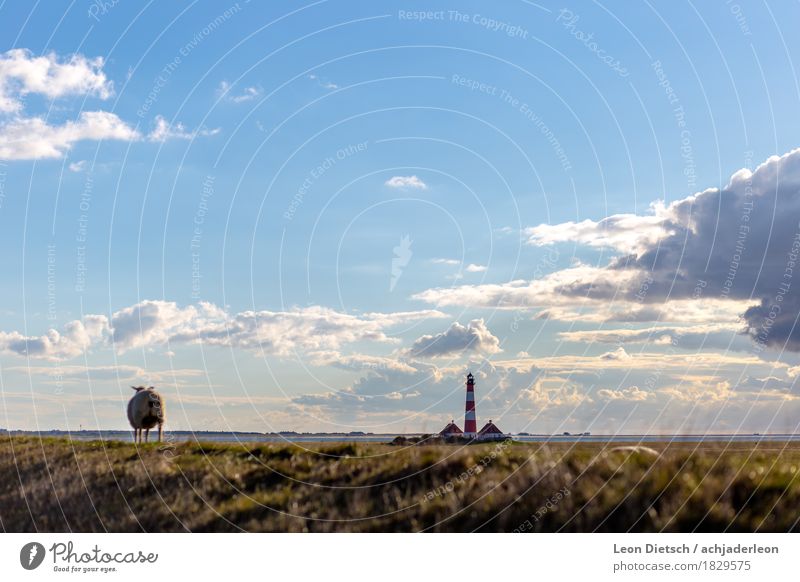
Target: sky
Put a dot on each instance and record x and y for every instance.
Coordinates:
(319, 216)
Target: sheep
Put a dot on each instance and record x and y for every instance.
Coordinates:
(145, 411)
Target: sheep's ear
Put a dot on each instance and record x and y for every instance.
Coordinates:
(137, 388)
(151, 388)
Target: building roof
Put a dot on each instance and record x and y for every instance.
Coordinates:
(490, 428)
(451, 428)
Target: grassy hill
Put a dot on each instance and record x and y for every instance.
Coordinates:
(61, 485)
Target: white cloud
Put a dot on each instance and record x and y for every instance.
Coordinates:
(33, 139)
(78, 166)
(701, 392)
(634, 393)
(694, 311)
(548, 290)
(73, 374)
(628, 233)
(553, 392)
(379, 391)
(247, 94)
(618, 354)
(359, 362)
(22, 73)
(164, 131)
(473, 268)
(323, 83)
(406, 182)
(613, 336)
(445, 262)
(309, 330)
(706, 362)
(588, 294)
(75, 339)
(402, 395)
(708, 336)
(475, 337)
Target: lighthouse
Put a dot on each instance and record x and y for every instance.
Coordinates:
(490, 432)
(470, 424)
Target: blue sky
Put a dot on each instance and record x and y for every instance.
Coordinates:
(319, 216)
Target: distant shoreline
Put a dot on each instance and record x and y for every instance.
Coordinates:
(283, 437)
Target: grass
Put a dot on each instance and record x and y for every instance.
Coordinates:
(58, 485)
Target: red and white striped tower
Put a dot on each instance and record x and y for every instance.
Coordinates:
(470, 424)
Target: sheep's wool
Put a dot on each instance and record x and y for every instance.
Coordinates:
(146, 409)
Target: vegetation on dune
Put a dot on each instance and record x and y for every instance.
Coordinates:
(61, 485)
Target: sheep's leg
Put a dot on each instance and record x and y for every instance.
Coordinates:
(136, 436)
(160, 431)
(146, 434)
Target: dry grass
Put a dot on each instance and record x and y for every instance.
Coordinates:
(59, 485)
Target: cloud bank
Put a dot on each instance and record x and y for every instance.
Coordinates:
(316, 331)
(719, 256)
